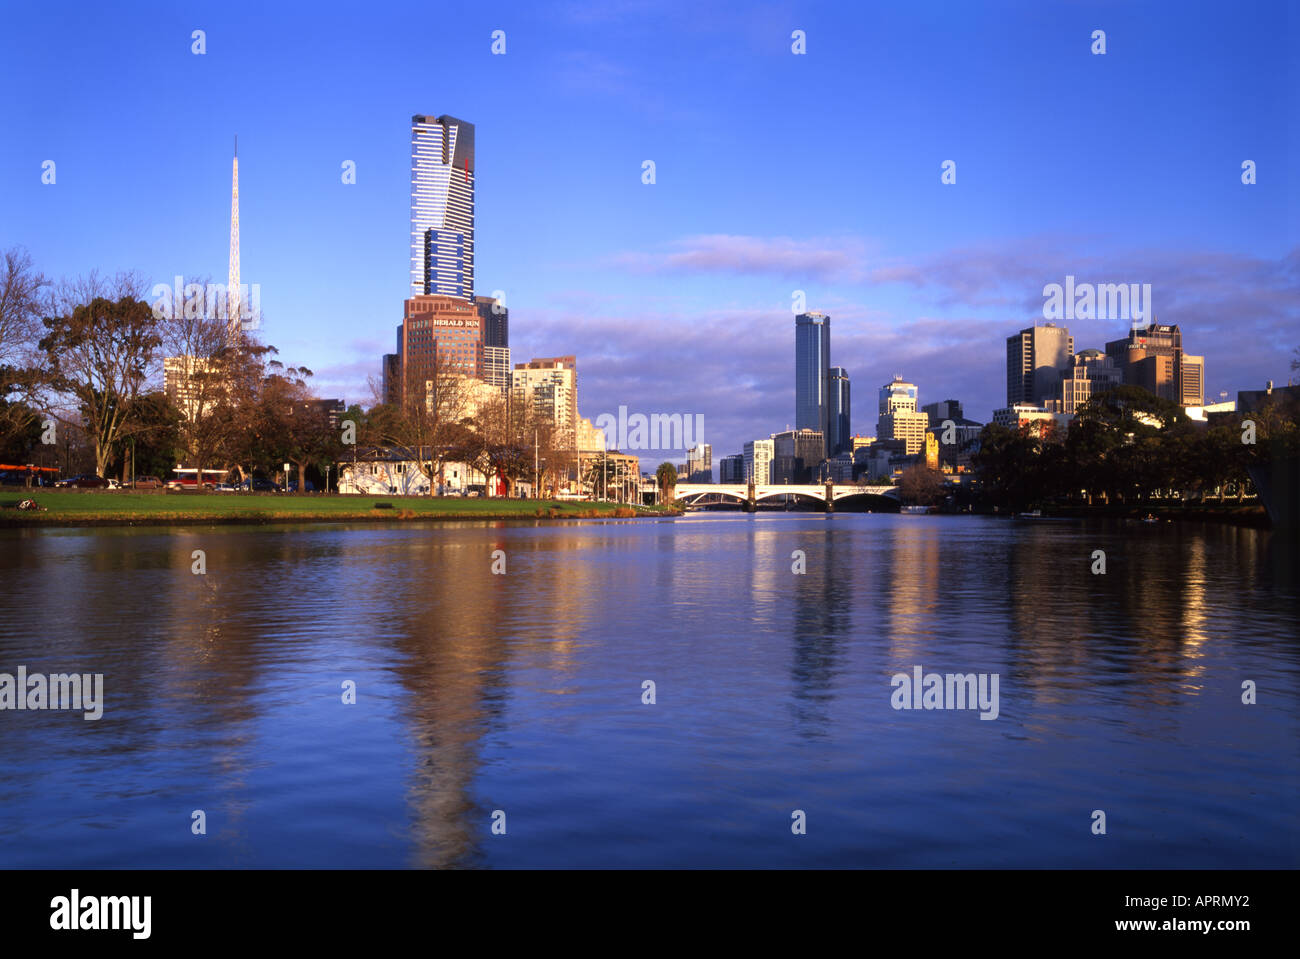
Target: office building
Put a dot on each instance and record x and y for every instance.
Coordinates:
(1152, 357)
(699, 463)
(438, 333)
(496, 366)
(551, 385)
(899, 418)
(797, 456)
(442, 207)
(812, 361)
(758, 462)
(1090, 372)
(943, 410)
(1036, 358)
(731, 469)
(838, 416)
(496, 321)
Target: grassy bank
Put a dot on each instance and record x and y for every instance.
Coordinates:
(123, 508)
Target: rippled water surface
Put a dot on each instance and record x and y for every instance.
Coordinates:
(523, 693)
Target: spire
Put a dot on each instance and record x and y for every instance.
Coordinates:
(232, 286)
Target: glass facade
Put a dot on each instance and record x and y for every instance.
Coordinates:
(442, 207)
(841, 435)
(812, 361)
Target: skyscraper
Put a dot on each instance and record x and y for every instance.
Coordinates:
(899, 418)
(812, 361)
(1036, 358)
(442, 207)
(838, 417)
(496, 321)
(1152, 357)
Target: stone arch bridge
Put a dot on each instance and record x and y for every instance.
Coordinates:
(751, 494)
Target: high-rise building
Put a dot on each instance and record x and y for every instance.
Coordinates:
(758, 462)
(1090, 372)
(898, 395)
(943, 410)
(438, 332)
(797, 456)
(812, 361)
(1152, 357)
(699, 463)
(496, 321)
(838, 416)
(442, 207)
(496, 366)
(551, 386)
(899, 418)
(731, 469)
(1036, 358)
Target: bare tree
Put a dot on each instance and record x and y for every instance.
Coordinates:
(22, 289)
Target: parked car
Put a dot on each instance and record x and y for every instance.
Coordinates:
(86, 481)
(260, 485)
(147, 482)
(293, 487)
(114, 484)
(225, 488)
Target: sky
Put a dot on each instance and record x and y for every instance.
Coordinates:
(775, 173)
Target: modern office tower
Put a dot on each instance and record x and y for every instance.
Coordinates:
(731, 469)
(496, 366)
(439, 329)
(1153, 359)
(812, 361)
(758, 462)
(392, 375)
(551, 386)
(1036, 358)
(496, 321)
(838, 416)
(1090, 372)
(943, 410)
(906, 425)
(797, 456)
(699, 463)
(442, 207)
(898, 395)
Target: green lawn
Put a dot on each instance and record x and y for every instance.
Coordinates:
(120, 506)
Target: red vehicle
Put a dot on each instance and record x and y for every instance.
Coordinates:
(86, 481)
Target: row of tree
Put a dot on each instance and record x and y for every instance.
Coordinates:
(1129, 445)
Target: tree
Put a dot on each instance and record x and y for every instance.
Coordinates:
(426, 422)
(97, 358)
(22, 288)
(666, 477)
(920, 485)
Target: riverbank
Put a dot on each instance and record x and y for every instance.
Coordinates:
(125, 508)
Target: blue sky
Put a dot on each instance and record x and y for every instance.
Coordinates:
(775, 172)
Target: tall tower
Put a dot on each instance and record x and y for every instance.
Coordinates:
(442, 207)
(232, 286)
(812, 361)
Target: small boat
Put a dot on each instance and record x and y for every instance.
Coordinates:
(1031, 514)
(915, 509)
(1149, 519)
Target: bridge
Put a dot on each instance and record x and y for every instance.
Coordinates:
(752, 494)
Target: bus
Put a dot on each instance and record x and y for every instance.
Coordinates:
(188, 478)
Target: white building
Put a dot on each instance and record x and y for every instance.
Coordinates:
(758, 461)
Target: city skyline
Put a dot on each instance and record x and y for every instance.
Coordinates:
(638, 278)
